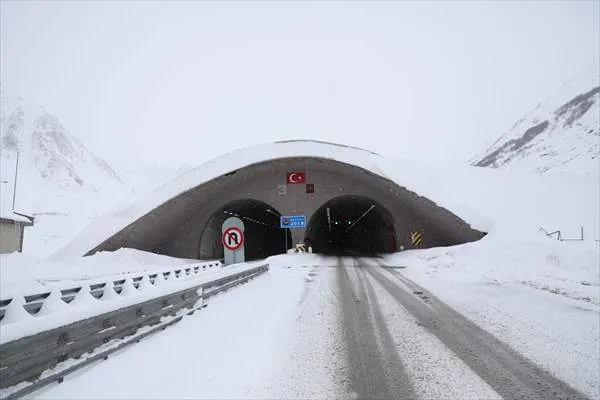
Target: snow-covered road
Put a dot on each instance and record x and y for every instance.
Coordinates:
(326, 328)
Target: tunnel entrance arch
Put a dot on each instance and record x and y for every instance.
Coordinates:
(176, 222)
(263, 237)
(351, 225)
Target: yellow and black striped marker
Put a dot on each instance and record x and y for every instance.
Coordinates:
(417, 239)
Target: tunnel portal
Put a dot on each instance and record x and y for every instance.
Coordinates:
(347, 208)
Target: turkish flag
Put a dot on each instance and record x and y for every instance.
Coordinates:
(295, 177)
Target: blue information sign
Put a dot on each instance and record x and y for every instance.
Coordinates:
(293, 221)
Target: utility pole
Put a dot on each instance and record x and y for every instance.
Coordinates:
(15, 185)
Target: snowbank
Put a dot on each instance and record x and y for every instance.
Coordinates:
(568, 269)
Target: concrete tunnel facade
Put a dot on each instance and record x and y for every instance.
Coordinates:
(189, 224)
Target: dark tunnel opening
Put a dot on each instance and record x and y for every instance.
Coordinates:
(351, 225)
(263, 236)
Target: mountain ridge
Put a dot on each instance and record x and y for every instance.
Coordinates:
(561, 134)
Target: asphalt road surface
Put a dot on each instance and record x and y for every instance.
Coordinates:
(376, 367)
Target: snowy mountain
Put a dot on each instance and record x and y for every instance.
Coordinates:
(59, 181)
(561, 134)
(49, 154)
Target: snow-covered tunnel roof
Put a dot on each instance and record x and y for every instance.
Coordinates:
(118, 218)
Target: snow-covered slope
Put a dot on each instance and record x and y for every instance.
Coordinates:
(561, 134)
(57, 175)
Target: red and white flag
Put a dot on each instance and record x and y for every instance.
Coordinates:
(295, 177)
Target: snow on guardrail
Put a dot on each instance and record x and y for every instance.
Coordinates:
(43, 357)
(30, 313)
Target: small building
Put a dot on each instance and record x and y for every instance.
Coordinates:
(12, 230)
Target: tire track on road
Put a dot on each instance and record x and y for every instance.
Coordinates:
(509, 373)
(398, 381)
(376, 373)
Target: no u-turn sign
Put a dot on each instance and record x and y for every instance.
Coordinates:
(233, 238)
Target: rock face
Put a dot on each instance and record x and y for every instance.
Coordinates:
(561, 134)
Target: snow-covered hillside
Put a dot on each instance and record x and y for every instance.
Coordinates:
(561, 134)
(57, 176)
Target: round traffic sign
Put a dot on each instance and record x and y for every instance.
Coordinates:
(233, 238)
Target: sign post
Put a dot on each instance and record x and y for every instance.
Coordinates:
(233, 241)
(291, 222)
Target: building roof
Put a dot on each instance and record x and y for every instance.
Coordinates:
(13, 217)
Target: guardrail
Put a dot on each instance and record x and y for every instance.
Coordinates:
(30, 310)
(30, 360)
(559, 236)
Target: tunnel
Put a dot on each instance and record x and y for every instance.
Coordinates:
(351, 225)
(263, 236)
(183, 218)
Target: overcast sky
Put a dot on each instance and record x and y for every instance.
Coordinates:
(180, 82)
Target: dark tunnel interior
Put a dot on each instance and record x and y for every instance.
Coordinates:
(351, 225)
(263, 236)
